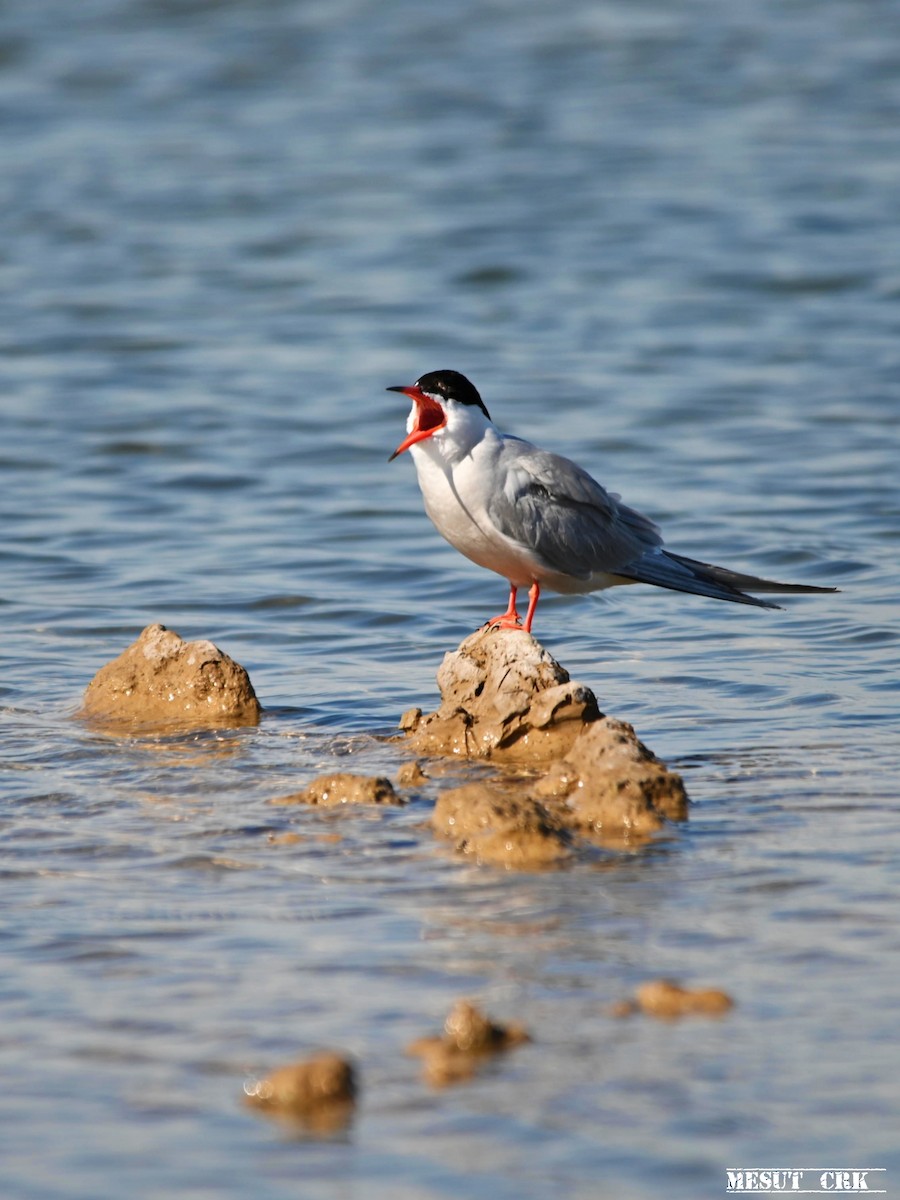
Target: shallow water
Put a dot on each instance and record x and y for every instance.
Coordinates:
(660, 238)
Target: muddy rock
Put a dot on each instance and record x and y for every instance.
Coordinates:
(667, 1000)
(612, 787)
(570, 772)
(468, 1040)
(319, 1091)
(503, 696)
(501, 824)
(163, 681)
(340, 788)
(411, 775)
(288, 838)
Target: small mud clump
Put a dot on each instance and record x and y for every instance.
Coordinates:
(319, 1092)
(468, 1041)
(668, 1000)
(162, 681)
(343, 788)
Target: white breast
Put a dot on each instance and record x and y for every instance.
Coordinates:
(456, 492)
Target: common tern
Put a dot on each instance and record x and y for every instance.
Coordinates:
(536, 518)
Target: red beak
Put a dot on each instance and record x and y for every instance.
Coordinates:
(430, 417)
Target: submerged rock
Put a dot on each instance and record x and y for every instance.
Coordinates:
(163, 681)
(342, 787)
(504, 698)
(496, 825)
(666, 999)
(320, 1092)
(468, 1040)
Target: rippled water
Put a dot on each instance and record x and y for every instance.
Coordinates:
(661, 238)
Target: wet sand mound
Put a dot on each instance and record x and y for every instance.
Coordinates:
(162, 681)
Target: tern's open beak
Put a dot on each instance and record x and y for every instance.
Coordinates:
(430, 417)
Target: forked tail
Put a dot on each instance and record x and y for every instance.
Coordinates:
(679, 574)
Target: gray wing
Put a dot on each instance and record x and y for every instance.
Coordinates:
(565, 517)
(555, 509)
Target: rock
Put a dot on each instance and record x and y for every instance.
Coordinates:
(410, 719)
(284, 839)
(320, 1091)
(666, 999)
(411, 775)
(622, 1008)
(502, 697)
(612, 786)
(496, 825)
(471, 1032)
(468, 1040)
(332, 791)
(163, 681)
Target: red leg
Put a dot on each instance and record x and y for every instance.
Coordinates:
(510, 619)
(534, 593)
